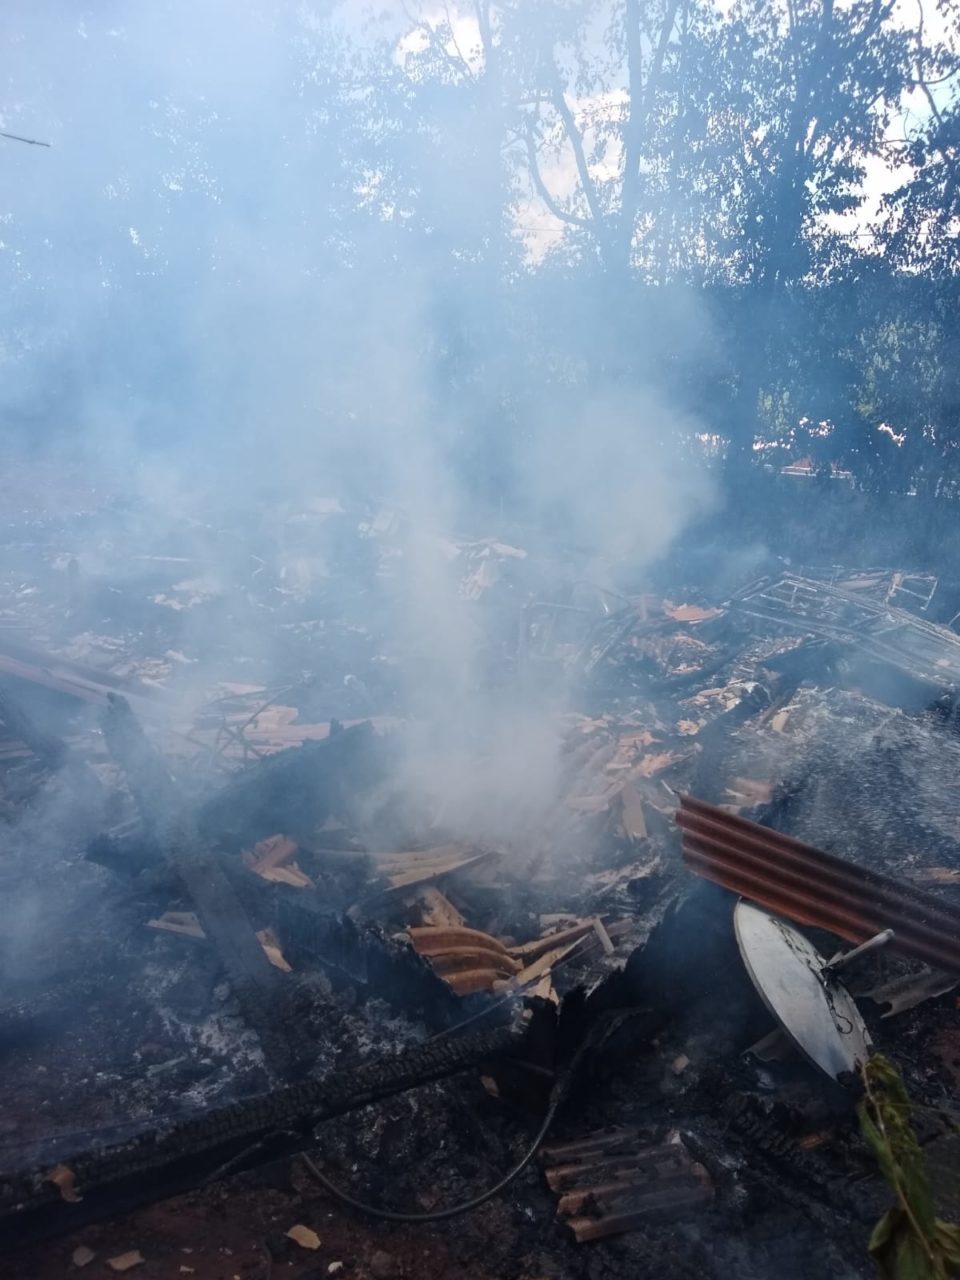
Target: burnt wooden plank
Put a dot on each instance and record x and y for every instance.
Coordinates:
(224, 920)
(118, 1174)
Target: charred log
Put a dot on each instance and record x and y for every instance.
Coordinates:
(219, 909)
(163, 1162)
(49, 749)
(363, 959)
(296, 790)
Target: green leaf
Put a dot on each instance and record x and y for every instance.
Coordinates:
(878, 1145)
(913, 1262)
(885, 1230)
(947, 1238)
(909, 1242)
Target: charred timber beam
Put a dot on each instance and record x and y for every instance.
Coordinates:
(296, 790)
(47, 747)
(360, 957)
(130, 853)
(72, 679)
(126, 851)
(221, 914)
(150, 782)
(165, 1162)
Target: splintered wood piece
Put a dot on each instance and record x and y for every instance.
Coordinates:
(752, 790)
(642, 738)
(184, 922)
(281, 736)
(530, 950)
(631, 816)
(276, 716)
(70, 678)
(406, 879)
(811, 1141)
(271, 948)
(544, 990)
(600, 931)
(690, 612)
(438, 910)
(393, 860)
(657, 761)
(304, 1237)
(82, 1256)
(286, 875)
(64, 1179)
(275, 851)
(545, 963)
(938, 875)
(125, 1261)
(597, 802)
(621, 876)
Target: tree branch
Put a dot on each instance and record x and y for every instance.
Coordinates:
(879, 12)
(641, 104)
(575, 139)
(458, 63)
(482, 10)
(453, 38)
(556, 209)
(932, 102)
(669, 22)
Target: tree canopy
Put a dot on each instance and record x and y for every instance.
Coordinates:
(749, 209)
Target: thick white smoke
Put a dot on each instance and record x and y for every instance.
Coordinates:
(213, 292)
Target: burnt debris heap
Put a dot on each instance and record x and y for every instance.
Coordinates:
(246, 923)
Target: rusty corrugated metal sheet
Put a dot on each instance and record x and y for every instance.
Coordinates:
(616, 1180)
(809, 886)
(467, 959)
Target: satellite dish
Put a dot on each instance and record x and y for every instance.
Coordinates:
(799, 987)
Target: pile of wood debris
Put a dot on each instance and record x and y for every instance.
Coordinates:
(278, 919)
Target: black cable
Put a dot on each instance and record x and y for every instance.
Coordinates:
(601, 1030)
(475, 1017)
(453, 1211)
(395, 1215)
